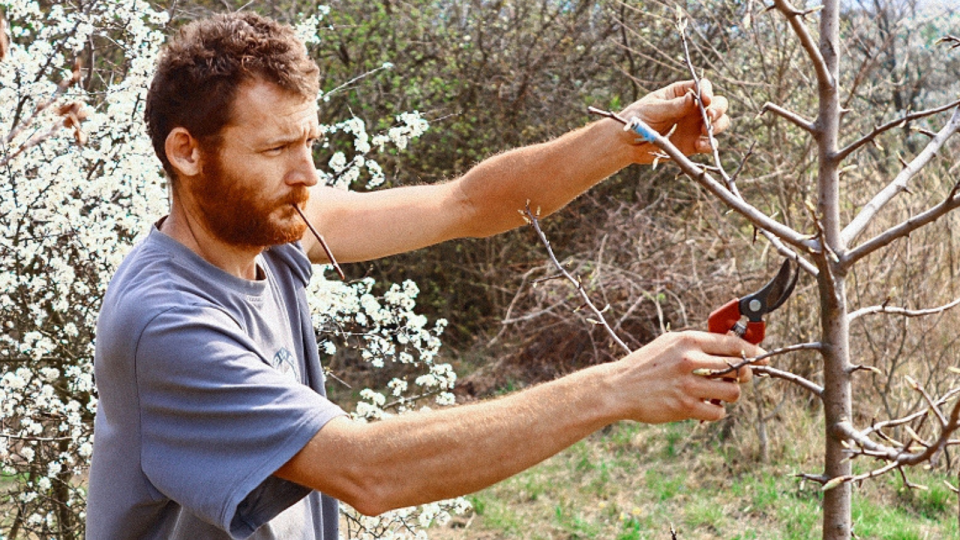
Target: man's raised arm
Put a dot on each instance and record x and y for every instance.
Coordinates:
(487, 199)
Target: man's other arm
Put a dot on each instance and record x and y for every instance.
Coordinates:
(421, 457)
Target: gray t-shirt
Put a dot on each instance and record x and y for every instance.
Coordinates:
(208, 384)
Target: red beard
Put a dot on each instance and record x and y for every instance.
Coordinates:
(241, 216)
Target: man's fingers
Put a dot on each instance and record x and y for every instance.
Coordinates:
(706, 93)
(708, 411)
(724, 345)
(718, 107)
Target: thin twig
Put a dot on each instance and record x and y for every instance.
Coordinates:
(717, 373)
(902, 311)
(323, 243)
(926, 397)
(802, 382)
(854, 146)
(535, 223)
(792, 117)
(704, 116)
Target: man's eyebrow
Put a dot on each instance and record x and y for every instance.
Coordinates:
(289, 138)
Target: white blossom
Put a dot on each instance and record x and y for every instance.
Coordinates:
(72, 213)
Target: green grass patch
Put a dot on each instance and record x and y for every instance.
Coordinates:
(633, 482)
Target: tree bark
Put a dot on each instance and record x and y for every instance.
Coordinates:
(832, 282)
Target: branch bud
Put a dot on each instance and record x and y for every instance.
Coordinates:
(836, 482)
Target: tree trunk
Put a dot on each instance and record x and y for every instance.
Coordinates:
(836, 406)
(832, 283)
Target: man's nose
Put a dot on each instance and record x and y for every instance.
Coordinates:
(302, 170)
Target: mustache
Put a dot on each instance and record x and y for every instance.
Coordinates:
(298, 197)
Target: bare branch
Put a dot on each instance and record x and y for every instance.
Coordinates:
(954, 41)
(877, 426)
(717, 373)
(532, 218)
(926, 397)
(899, 183)
(731, 180)
(704, 117)
(876, 472)
(794, 118)
(903, 229)
(795, 18)
(702, 177)
(818, 478)
(775, 373)
(902, 455)
(854, 146)
(902, 311)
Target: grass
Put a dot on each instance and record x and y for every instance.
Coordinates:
(633, 482)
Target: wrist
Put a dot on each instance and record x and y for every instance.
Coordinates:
(603, 383)
(614, 145)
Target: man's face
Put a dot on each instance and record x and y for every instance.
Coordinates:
(263, 167)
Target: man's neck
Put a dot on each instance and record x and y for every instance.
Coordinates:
(190, 231)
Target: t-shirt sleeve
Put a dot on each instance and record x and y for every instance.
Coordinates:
(217, 421)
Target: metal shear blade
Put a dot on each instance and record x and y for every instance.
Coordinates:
(772, 295)
(755, 306)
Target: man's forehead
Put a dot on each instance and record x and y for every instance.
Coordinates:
(271, 111)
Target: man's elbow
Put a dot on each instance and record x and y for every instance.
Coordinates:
(370, 498)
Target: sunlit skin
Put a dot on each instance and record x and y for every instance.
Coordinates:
(487, 199)
(233, 204)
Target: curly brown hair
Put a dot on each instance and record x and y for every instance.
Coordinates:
(201, 68)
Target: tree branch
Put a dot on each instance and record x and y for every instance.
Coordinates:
(532, 218)
(854, 146)
(899, 183)
(794, 17)
(902, 311)
(717, 373)
(902, 456)
(792, 117)
(775, 373)
(730, 180)
(702, 177)
(769, 371)
(903, 229)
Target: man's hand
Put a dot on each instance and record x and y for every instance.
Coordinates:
(657, 383)
(675, 105)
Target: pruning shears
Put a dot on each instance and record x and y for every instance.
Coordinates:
(755, 306)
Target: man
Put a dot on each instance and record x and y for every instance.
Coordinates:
(212, 420)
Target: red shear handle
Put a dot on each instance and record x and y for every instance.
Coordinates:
(726, 318)
(755, 332)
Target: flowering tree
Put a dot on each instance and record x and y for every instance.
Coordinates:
(79, 185)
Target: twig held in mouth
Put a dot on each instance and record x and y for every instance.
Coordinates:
(323, 244)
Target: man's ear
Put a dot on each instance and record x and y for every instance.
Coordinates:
(183, 152)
